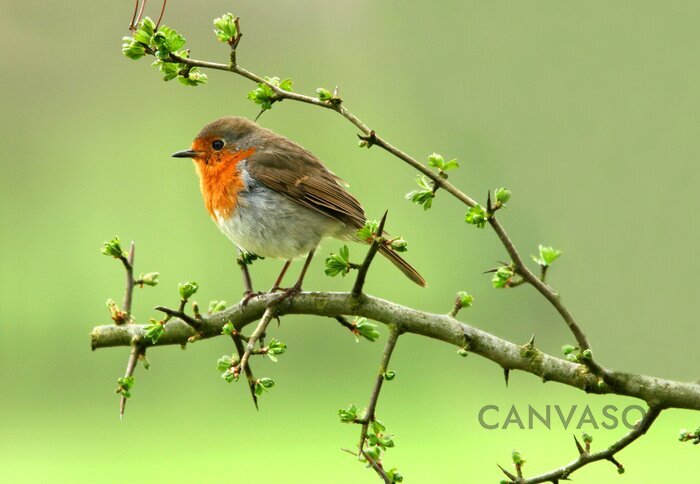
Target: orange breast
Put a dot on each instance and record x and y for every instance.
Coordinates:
(221, 181)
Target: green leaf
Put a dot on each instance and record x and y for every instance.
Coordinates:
(501, 278)
(224, 363)
(338, 263)
(193, 77)
(170, 70)
(228, 329)
(547, 255)
(389, 375)
(114, 249)
(436, 161)
(167, 41)
(226, 30)
(424, 195)
(368, 231)
(132, 49)
(348, 415)
(154, 331)
(248, 258)
(476, 215)
(265, 96)
(263, 385)
(187, 289)
(365, 329)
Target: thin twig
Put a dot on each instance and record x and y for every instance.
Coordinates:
(160, 17)
(585, 458)
(196, 324)
(369, 416)
(129, 290)
(257, 334)
(240, 349)
(136, 352)
(362, 271)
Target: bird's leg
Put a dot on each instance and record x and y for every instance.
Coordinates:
(277, 286)
(296, 288)
(248, 294)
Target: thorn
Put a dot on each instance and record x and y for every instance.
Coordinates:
(489, 208)
(578, 446)
(380, 227)
(510, 476)
(532, 341)
(122, 406)
(506, 374)
(259, 114)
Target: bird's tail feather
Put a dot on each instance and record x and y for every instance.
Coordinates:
(402, 265)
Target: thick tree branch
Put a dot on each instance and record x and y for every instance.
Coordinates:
(656, 392)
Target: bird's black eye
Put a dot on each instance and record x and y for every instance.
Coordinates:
(217, 144)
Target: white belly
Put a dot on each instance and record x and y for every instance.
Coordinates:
(268, 224)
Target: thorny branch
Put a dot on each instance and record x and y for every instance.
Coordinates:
(588, 375)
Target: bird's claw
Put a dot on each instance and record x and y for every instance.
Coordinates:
(248, 295)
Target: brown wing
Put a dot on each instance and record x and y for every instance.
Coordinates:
(294, 172)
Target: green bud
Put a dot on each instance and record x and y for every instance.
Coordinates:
(229, 375)
(187, 289)
(587, 438)
(568, 349)
(436, 160)
(572, 357)
(502, 196)
(117, 315)
(248, 258)
(517, 458)
(224, 363)
(263, 385)
(620, 470)
(368, 231)
(463, 352)
(348, 415)
(228, 329)
(464, 299)
(114, 249)
(394, 475)
(586, 354)
(216, 306)
(399, 245)
(389, 375)
(501, 278)
(324, 94)
(226, 30)
(476, 215)
(149, 279)
(132, 48)
(124, 386)
(274, 349)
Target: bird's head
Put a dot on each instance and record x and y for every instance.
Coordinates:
(221, 143)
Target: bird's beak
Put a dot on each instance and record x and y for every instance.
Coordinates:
(186, 154)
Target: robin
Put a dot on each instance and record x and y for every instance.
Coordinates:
(273, 198)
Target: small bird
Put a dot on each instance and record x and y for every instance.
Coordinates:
(273, 198)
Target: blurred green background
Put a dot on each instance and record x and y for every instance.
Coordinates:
(587, 112)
